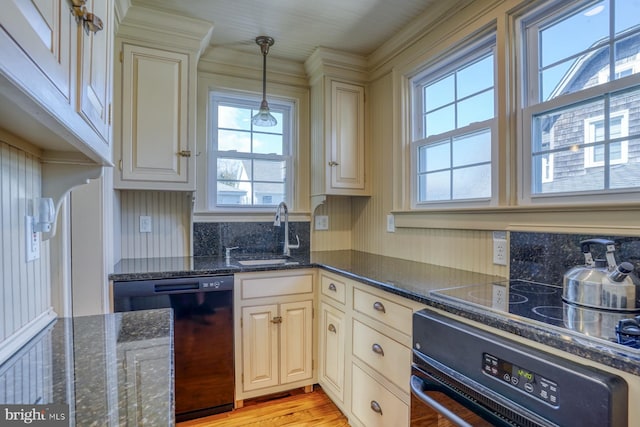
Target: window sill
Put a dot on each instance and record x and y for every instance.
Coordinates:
(600, 219)
(246, 216)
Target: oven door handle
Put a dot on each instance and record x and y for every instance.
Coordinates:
(420, 385)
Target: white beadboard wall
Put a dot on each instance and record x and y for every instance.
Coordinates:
(170, 213)
(25, 293)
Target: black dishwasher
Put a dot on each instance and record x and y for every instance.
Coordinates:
(203, 337)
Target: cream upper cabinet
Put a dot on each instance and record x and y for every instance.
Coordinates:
(154, 111)
(274, 332)
(155, 99)
(94, 100)
(338, 139)
(56, 75)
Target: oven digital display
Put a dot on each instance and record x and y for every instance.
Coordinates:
(521, 378)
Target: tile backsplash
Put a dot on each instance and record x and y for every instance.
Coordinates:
(545, 257)
(211, 238)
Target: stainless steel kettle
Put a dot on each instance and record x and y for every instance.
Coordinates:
(602, 283)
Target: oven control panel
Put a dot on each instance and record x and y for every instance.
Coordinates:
(521, 378)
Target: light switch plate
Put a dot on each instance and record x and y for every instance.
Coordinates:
(145, 224)
(321, 222)
(391, 223)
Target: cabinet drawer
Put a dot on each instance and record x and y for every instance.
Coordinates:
(390, 358)
(373, 405)
(332, 288)
(261, 287)
(386, 311)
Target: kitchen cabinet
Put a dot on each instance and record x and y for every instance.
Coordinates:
(155, 96)
(338, 140)
(142, 362)
(55, 75)
(274, 332)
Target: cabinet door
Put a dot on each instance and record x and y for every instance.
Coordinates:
(141, 372)
(154, 115)
(332, 362)
(296, 337)
(95, 63)
(43, 29)
(347, 154)
(260, 346)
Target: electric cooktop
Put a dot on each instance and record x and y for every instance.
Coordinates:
(543, 303)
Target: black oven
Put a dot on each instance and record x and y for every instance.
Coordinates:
(465, 376)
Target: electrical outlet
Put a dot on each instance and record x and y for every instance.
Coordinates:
(322, 222)
(145, 224)
(391, 223)
(32, 240)
(500, 248)
(499, 297)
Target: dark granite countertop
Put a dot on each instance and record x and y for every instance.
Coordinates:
(409, 279)
(85, 363)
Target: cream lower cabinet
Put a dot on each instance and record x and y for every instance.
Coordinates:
(274, 332)
(365, 350)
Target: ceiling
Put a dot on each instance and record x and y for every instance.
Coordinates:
(299, 26)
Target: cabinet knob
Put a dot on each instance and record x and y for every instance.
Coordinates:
(277, 319)
(375, 407)
(377, 349)
(331, 328)
(332, 287)
(185, 153)
(378, 306)
(332, 163)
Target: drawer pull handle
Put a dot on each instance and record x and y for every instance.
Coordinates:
(377, 349)
(332, 287)
(277, 319)
(378, 306)
(375, 407)
(332, 328)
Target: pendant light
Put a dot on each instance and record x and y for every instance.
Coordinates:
(264, 117)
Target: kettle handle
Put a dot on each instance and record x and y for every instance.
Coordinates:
(585, 246)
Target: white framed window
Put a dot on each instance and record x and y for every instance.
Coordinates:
(249, 167)
(454, 135)
(580, 127)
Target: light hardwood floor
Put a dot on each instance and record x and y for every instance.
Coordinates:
(295, 409)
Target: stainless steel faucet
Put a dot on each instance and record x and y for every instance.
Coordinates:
(282, 208)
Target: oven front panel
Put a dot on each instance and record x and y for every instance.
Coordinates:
(557, 390)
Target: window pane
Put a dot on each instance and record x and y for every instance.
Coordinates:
(436, 156)
(475, 78)
(230, 140)
(440, 121)
(475, 109)
(574, 33)
(233, 169)
(437, 186)
(627, 14)
(472, 149)
(439, 93)
(627, 175)
(265, 143)
(233, 193)
(234, 117)
(570, 179)
(472, 182)
(268, 170)
(553, 82)
(268, 193)
(627, 62)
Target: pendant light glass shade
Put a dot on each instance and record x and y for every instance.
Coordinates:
(264, 116)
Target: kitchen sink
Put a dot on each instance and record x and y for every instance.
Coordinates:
(267, 261)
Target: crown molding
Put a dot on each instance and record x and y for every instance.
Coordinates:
(154, 26)
(337, 64)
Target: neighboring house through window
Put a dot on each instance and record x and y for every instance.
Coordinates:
(249, 167)
(581, 128)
